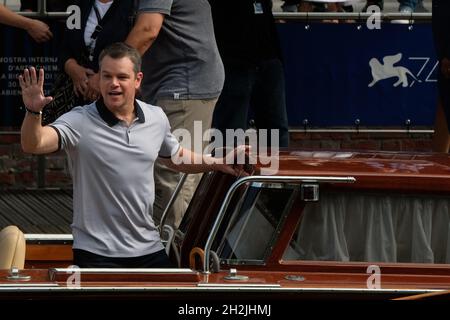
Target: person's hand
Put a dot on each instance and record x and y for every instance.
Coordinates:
(236, 162)
(39, 31)
(92, 92)
(32, 90)
(445, 68)
(79, 76)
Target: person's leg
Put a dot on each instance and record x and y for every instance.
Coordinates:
(86, 259)
(332, 7)
(407, 5)
(289, 6)
(200, 111)
(305, 6)
(231, 110)
(379, 3)
(269, 100)
(441, 137)
(420, 7)
(154, 260)
(181, 114)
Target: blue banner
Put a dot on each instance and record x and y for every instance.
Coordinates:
(335, 73)
(338, 73)
(18, 51)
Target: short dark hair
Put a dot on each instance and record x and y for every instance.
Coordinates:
(120, 50)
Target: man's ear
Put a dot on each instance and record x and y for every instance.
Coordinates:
(139, 77)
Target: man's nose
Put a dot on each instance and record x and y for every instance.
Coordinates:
(114, 81)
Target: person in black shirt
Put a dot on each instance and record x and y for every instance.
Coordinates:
(441, 33)
(103, 22)
(248, 43)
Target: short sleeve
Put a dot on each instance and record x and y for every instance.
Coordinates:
(160, 6)
(170, 144)
(69, 127)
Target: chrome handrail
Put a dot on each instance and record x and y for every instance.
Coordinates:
(357, 16)
(42, 11)
(171, 201)
(350, 129)
(304, 16)
(241, 181)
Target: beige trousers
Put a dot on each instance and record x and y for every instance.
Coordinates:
(181, 114)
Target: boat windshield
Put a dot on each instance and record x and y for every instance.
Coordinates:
(251, 228)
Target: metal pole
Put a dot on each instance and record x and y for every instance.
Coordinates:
(357, 16)
(353, 130)
(172, 200)
(42, 7)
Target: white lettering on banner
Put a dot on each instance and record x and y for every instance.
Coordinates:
(15, 65)
(426, 63)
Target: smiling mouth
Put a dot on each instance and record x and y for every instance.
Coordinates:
(115, 93)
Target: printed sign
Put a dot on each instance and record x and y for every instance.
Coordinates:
(18, 51)
(337, 74)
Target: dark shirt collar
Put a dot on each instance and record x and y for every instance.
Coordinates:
(111, 119)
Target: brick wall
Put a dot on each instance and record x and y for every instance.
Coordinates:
(19, 170)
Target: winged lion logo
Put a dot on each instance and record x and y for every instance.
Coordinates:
(386, 70)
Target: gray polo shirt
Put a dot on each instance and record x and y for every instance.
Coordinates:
(183, 62)
(112, 170)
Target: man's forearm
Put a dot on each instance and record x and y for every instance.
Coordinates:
(145, 31)
(31, 133)
(13, 19)
(190, 162)
(139, 40)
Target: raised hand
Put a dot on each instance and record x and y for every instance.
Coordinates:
(33, 90)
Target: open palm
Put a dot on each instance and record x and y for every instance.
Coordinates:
(32, 89)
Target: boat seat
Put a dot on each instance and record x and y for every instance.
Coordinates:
(12, 248)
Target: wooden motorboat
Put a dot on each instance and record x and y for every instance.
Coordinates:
(326, 225)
